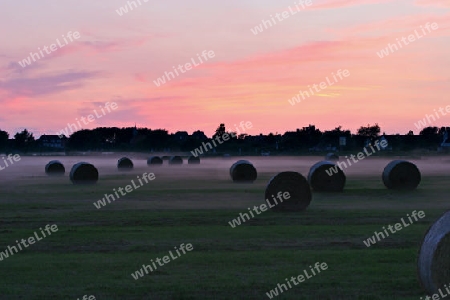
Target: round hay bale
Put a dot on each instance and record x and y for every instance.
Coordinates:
(175, 160)
(321, 181)
(125, 164)
(433, 263)
(154, 160)
(243, 171)
(55, 168)
(193, 160)
(332, 157)
(83, 173)
(401, 175)
(239, 161)
(296, 185)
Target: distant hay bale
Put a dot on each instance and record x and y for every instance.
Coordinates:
(433, 263)
(243, 171)
(401, 175)
(321, 181)
(175, 160)
(193, 160)
(296, 185)
(125, 164)
(55, 168)
(239, 161)
(83, 173)
(154, 160)
(332, 157)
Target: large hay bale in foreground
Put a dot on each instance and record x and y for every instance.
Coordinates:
(125, 164)
(296, 185)
(332, 157)
(175, 160)
(326, 176)
(154, 160)
(243, 171)
(401, 175)
(55, 168)
(433, 263)
(83, 173)
(193, 160)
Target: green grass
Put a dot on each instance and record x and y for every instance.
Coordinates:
(95, 251)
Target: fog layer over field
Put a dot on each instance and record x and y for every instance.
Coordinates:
(204, 186)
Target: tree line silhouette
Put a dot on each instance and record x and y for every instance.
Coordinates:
(306, 139)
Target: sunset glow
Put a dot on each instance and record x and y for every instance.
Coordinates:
(117, 58)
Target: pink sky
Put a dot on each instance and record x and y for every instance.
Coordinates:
(250, 78)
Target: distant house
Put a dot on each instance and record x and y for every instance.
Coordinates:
(52, 141)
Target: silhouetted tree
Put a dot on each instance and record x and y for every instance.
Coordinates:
(4, 136)
(368, 131)
(24, 140)
(159, 139)
(442, 130)
(242, 136)
(124, 137)
(220, 130)
(309, 136)
(332, 136)
(430, 137)
(199, 135)
(429, 131)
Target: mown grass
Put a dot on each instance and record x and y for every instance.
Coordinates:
(95, 251)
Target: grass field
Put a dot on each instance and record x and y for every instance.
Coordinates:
(95, 251)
